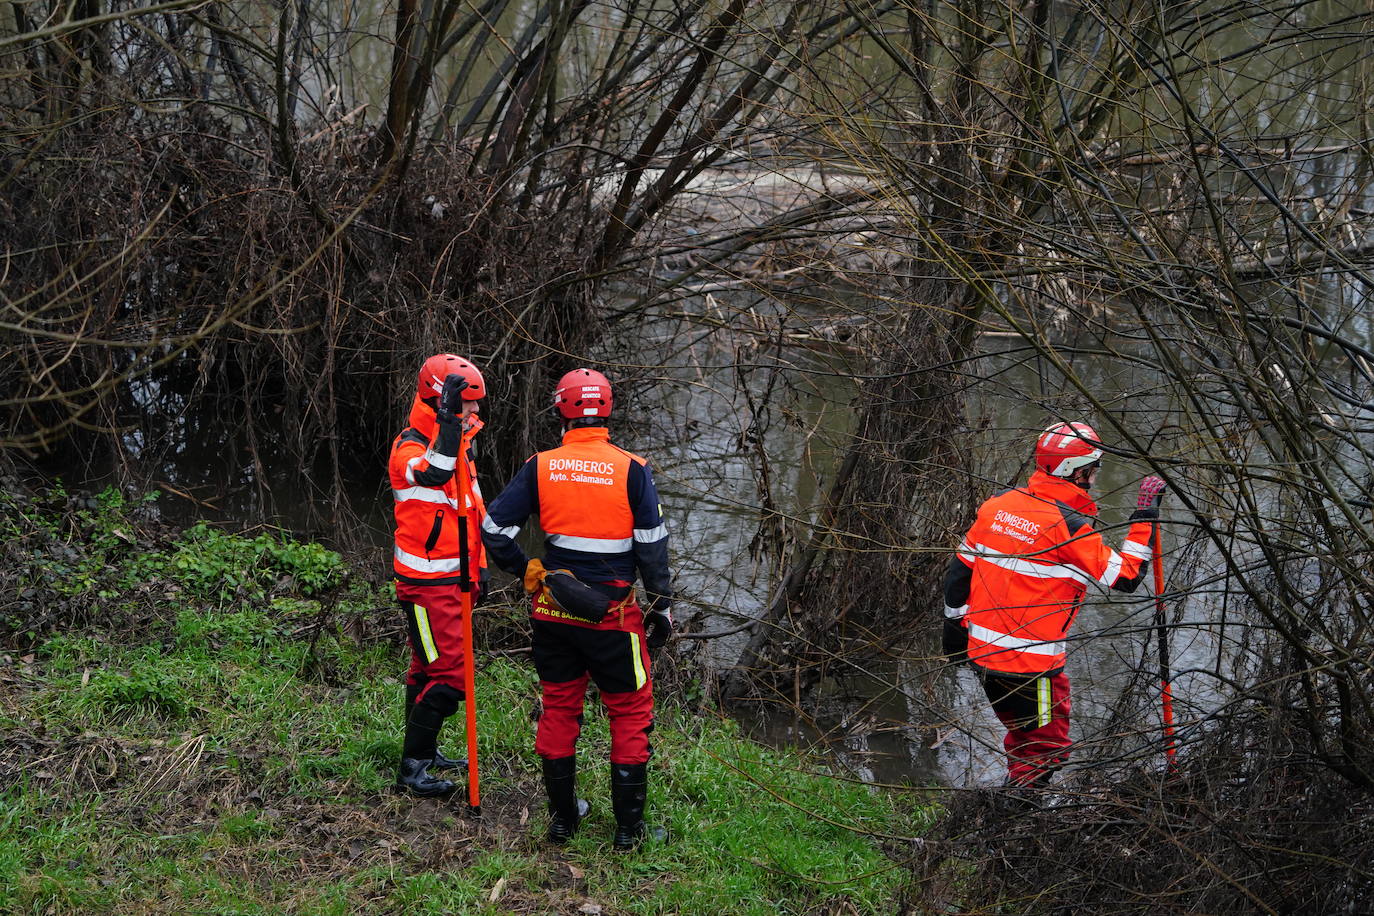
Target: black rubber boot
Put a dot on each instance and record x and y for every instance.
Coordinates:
(413, 777)
(566, 810)
(418, 749)
(629, 791)
(441, 761)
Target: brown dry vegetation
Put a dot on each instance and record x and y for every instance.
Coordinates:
(151, 788)
(1162, 211)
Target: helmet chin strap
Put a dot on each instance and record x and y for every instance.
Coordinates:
(1083, 477)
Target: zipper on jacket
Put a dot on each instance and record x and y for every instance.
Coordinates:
(434, 532)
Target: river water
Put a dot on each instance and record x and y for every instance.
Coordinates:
(726, 466)
(905, 717)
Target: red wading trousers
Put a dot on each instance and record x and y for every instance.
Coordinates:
(434, 622)
(612, 653)
(1035, 711)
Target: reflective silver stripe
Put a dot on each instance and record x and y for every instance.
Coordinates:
(649, 535)
(966, 552)
(424, 495)
(1029, 568)
(410, 467)
(1113, 568)
(591, 545)
(492, 528)
(1132, 549)
(476, 488)
(1015, 643)
(956, 612)
(441, 461)
(420, 564)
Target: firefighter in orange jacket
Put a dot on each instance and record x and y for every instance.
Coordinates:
(439, 510)
(1017, 581)
(599, 510)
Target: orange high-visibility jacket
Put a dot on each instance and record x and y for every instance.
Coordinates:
(428, 487)
(583, 501)
(1031, 555)
(598, 506)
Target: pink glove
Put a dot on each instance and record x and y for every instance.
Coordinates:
(1151, 492)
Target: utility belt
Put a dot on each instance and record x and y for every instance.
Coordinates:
(561, 591)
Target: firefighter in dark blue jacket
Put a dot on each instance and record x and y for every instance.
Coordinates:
(599, 511)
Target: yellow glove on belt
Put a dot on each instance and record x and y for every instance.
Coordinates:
(534, 576)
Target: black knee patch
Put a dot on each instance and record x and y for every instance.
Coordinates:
(443, 699)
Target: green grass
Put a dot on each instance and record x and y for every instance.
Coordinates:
(218, 761)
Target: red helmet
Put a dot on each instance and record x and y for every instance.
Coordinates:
(1066, 447)
(441, 366)
(583, 393)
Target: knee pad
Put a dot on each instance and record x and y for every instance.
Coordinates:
(442, 698)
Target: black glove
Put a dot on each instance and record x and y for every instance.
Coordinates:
(481, 587)
(658, 626)
(450, 408)
(954, 640)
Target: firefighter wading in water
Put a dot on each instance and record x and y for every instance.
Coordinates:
(434, 482)
(599, 510)
(1017, 581)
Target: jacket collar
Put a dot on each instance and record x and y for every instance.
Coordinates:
(422, 419)
(1061, 490)
(587, 434)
